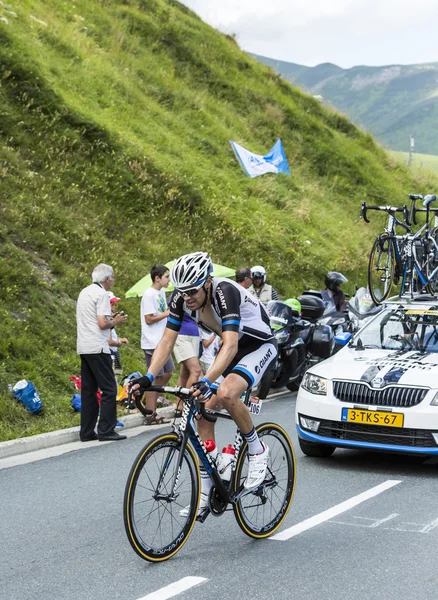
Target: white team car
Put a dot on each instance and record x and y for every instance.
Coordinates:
(379, 392)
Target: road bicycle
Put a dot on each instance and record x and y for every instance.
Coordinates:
(385, 264)
(410, 259)
(162, 493)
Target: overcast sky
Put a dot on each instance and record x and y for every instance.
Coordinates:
(344, 32)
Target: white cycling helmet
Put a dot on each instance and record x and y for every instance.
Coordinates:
(259, 271)
(191, 270)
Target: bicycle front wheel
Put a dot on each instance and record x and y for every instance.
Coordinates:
(262, 511)
(160, 506)
(381, 268)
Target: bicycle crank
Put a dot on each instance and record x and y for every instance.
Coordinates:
(216, 504)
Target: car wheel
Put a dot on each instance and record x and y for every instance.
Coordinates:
(265, 384)
(315, 449)
(294, 386)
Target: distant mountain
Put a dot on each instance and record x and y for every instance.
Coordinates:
(391, 101)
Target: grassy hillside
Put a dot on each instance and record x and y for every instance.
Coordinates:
(114, 127)
(391, 101)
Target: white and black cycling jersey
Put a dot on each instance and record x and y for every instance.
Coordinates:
(233, 309)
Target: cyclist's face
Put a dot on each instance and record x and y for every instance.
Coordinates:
(195, 301)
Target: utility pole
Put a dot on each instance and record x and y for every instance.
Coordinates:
(411, 149)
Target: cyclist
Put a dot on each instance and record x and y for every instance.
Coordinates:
(333, 293)
(248, 350)
(259, 288)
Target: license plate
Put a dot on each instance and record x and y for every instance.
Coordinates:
(255, 406)
(372, 417)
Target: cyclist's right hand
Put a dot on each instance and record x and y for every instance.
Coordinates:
(202, 390)
(138, 386)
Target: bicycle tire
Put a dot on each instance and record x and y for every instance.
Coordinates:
(381, 248)
(432, 263)
(243, 512)
(137, 531)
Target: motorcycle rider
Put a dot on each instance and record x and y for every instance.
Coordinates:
(259, 288)
(332, 292)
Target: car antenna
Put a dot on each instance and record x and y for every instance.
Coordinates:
(359, 344)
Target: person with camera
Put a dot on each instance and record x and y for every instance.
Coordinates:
(115, 342)
(94, 322)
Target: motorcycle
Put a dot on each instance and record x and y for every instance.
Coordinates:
(302, 342)
(338, 320)
(361, 309)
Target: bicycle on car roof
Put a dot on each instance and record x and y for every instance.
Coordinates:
(409, 260)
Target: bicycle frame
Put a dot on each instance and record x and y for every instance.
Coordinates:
(391, 234)
(411, 260)
(187, 433)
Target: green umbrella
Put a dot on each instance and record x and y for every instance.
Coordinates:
(139, 288)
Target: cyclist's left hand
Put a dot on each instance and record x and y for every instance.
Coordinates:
(202, 390)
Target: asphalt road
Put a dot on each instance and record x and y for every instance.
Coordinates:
(62, 531)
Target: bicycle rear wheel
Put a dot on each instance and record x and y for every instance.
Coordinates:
(151, 509)
(263, 510)
(432, 262)
(381, 268)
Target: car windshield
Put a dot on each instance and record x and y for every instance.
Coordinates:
(402, 328)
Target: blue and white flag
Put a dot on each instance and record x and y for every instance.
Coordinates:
(256, 164)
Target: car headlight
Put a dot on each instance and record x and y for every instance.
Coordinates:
(435, 400)
(281, 335)
(314, 384)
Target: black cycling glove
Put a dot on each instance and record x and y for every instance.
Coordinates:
(143, 382)
(204, 387)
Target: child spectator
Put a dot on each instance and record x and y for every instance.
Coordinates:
(114, 341)
(211, 344)
(153, 315)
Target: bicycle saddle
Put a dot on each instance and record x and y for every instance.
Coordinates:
(429, 199)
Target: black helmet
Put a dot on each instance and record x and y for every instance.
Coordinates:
(334, 280)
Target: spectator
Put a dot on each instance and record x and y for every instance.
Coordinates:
(153, 314)
(94, 321)
(244, 277)
(186, 351)
(259, 288)
(210, 343)
(114, 341)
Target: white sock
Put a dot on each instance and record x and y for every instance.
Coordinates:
(254, 444)
(206, 482)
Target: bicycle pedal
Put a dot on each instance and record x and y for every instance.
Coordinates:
(203, 515)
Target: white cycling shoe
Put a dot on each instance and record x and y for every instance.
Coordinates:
(258, 465)
(203, 505)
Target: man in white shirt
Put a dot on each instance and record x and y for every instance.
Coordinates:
(153, 315)
(94, 321)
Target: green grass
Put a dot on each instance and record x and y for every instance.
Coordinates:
(421, 162)
(114, 126)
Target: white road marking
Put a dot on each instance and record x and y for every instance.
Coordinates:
(175, 588)
(374, 522)
(384, 520)
(429, 527)
(334, 511)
